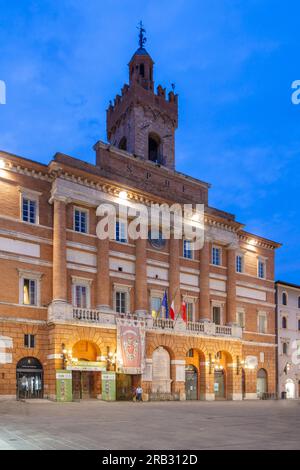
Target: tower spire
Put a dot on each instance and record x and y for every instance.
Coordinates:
(142, 38)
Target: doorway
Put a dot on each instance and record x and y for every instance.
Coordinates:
(262, 383)
(29, 378)
(290, 389)
(84, 385)
(219, 385)
(191, 382)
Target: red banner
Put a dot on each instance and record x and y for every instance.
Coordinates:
(131, 336)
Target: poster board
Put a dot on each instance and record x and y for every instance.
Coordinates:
(64, 386)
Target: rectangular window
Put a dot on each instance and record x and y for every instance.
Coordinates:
(262, 324)
(81, 293)
(239, 264)
(187, 249)
(29, 292)
(217, 315)
(28, 210)
(121, 302)
(216, 256)
(156, 306)
(80, 221)
(189, 311)
(29, 341)
(261, 269)
(241, 319)
(121, 232)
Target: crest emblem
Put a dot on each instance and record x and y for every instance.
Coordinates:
(131, 347)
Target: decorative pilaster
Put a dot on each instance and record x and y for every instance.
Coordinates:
(103, 299)
(231, 285)
(59, 252)
(141, 291)
(205, 313)
(174, 274)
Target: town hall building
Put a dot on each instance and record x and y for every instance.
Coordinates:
(81, 317)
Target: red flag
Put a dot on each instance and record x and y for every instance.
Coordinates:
(172, 311)
(183, 312)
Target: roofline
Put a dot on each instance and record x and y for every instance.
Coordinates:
(288, 284)
(262, 239)
(4, 153)
(123, 153)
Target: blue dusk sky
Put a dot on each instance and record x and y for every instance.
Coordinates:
(233, 62)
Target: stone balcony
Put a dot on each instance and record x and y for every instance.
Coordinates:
(91, 316)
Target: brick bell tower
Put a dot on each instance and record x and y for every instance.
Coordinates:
(141, 121)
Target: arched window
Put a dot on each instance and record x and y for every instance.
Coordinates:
(284, 348)
(284, 298)
(154, 145)
(142, 70)
(123, 144)
(284, 322)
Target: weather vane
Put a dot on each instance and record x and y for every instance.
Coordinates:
(142, 39)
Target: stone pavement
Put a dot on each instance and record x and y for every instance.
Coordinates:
(154, 426)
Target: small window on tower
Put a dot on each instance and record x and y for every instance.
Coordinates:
(142, 70)
(123, 144)
(154, 148)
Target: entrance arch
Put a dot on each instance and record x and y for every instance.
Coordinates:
(262, 383)
(161, 371)
(86, 384)
(30, 382)
(85, 351)
(191, 382)
(223, 376)
(195, 379)
(290, 389)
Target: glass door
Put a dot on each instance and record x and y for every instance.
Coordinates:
(29, 385)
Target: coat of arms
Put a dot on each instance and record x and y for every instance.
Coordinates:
(131, 345)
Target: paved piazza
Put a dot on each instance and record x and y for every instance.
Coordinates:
(119, 425)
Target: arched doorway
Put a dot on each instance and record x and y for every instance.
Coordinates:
(223, 376)
(195, 380)
(262, 383)
(219, 385)
(290, 389)
(29, 378)
(191, 382)
(86, 383)
(161, 371)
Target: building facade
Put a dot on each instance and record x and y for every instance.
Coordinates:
(68, 296)
(288, 321)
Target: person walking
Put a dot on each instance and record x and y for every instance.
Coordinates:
(139, 393)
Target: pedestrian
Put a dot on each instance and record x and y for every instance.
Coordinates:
(139, 393)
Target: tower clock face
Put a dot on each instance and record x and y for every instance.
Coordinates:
(156, 239)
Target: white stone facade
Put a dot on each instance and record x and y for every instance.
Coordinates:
(288, 321)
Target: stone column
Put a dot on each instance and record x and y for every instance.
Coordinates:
(59, 252)
(141, 291)
(204, 301)
(103, 298)
(174, 274)
(231, 285)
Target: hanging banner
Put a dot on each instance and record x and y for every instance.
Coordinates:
(130, 346)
